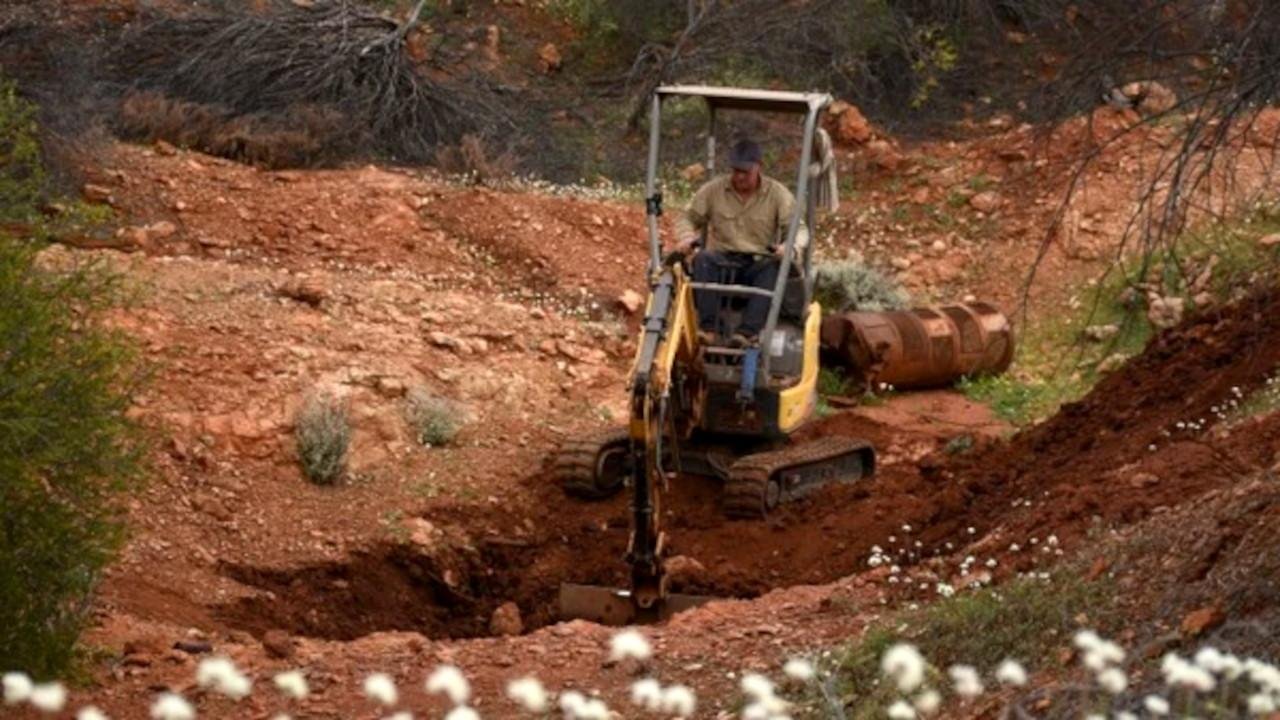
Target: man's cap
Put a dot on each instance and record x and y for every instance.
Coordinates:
(744, 154)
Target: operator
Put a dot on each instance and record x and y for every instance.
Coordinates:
(745, 215)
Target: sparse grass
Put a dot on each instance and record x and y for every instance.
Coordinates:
(1056, 365)
(435, 420)
(323, 433)
(1262, 401)
(1025, 618)
(833, 381)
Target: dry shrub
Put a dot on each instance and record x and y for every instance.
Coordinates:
(302, 135)
(324, 81)
(323, 433)
(473, 161)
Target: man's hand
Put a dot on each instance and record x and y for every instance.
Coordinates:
(779, 250)
(685, 246)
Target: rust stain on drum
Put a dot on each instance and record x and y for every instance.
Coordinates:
(923, 347)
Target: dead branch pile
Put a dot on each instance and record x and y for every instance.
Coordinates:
(330, 80)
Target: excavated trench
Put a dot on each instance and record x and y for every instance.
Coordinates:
(1115, 457)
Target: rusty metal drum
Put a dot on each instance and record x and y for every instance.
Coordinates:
(920, 348)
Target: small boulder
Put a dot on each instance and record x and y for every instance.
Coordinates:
(97, 193)
(850, 126)
(684, 570)
(1143, 480)
(506, 620)
(278, 644)
(883, 155)
(1165, 312)
(1112, 363)
(631, 301)
(986, 202)
(1101, 333)
(308, 291)
(549, 59)
(694, 173)
(1198, 622)
(1150, 97)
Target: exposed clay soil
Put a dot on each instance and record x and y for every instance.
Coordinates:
(369, 282)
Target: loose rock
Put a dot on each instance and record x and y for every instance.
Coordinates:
(506, 620)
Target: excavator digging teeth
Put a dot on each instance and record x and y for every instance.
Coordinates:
(612, 606)
(594, 467)
(761, 482)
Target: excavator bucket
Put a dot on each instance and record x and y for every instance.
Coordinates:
(611, 606)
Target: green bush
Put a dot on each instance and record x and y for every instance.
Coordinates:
(22, 175)
(435, 420)
(67, 453)
(323, 432)
(852, 284)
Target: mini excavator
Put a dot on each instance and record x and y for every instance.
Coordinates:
(706, 407)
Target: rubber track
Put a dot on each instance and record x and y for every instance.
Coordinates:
(574, 464)
(744, 491)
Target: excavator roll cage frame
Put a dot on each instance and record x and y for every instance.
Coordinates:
(669, 381)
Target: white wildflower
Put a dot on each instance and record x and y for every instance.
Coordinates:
(402, 715)
(462, 712)
(1261, 704)
(594, 709)
(1086, 640)
(1095, 716)
(756, 711)
(904, 665)
(90, 712)
(449, 681)
(1113, 680)
(1208, 658)
(1156, 705)
(966, 680)
(1125, 715)
(757, 686)
(1180, 673)
(647, 693)
(1110, 652)
(1232, 668)
(17, 688)
(48, 697)
(928, 702)
(572, 702)
(1011, 672)
(901, 711)
(1263, 674)
(380, 688)
(678, 700)
(991, 562)
(171, 706)
(528, 693)
(292, 683)
(222, 676)
(629, 644)
(799, 669)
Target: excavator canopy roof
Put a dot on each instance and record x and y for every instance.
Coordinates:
(744, 99)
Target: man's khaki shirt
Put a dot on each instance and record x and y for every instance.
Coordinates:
(744, 227)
